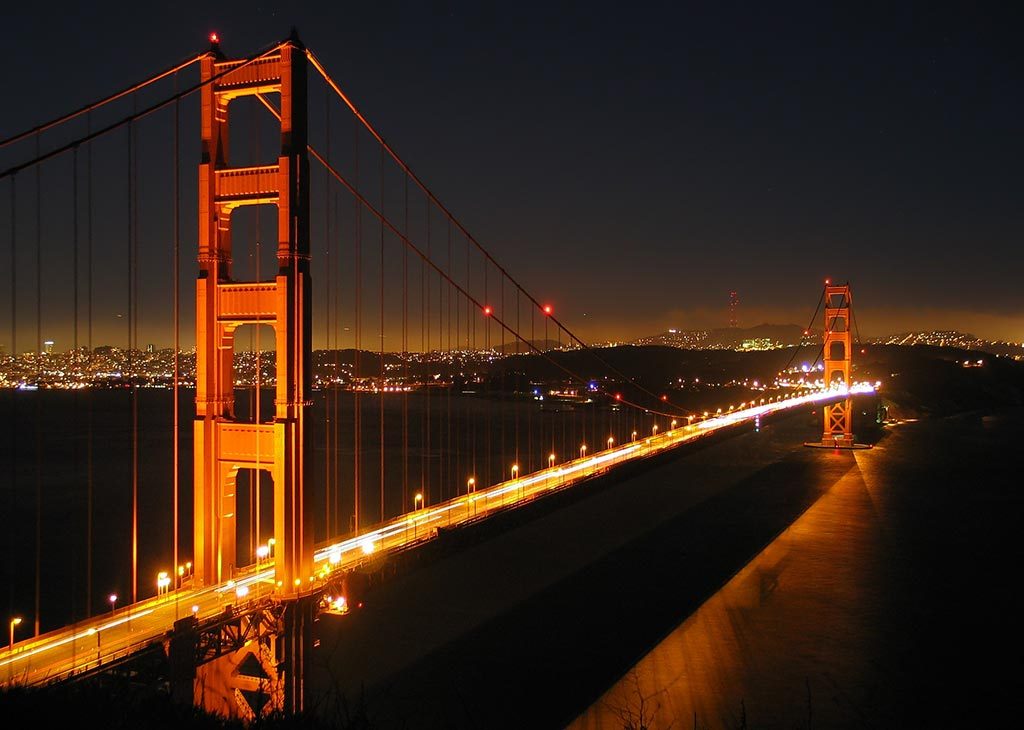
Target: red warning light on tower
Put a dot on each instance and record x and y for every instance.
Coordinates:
(214, 38)
(548, 309)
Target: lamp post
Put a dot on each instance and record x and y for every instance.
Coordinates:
(515, 475)
(674, 422)
(634, 436)
(654, 430)
(611, 441)
(113, 603)
(583, 450)
(417, 503)
(10, 660)
(96, 631)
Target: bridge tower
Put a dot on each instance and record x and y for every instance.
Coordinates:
(837, 348)
(223, 445)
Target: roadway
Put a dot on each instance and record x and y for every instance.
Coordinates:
(105, 638)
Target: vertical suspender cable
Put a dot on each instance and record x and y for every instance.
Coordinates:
(490, 382)
(426, 355)
(88, 440)
(336, 390)
(357, 405)
(381, 339)
(131, 364)
(405, 355)
(327, 327)
(515, 402)
(175, 314)
(74, 349)
(39, 363)
(529, 412)
(14, 402)
(449, 482)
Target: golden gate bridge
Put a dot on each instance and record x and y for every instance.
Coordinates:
(390, 255)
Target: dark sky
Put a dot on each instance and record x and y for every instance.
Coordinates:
(635, 163)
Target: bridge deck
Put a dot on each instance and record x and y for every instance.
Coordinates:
(102, 639)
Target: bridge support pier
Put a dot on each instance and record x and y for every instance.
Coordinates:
(296, 648)
(245, 663)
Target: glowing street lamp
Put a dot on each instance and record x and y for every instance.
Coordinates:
(583, 450)
(163, 581)
(674, 422)
(515, 471)
(417, 503)
(471, 485)
(611, 442)
(551, 461)
(634, 436)
(654, 430)
(13, 622)
(262, 553)
(113, 602)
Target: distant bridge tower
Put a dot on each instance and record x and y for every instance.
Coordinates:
(222, 444)
(837, 348)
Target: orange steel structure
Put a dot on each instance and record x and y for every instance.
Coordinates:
(224, 445)
(837, 349)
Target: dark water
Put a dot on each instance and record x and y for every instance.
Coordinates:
(891, 602)
(52, 437)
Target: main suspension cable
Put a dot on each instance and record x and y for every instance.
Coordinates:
(103, 102)
(434, 199)
(135, 116)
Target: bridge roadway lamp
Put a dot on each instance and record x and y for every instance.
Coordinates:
(417, 503)
(113, 602)
(551, 461)
(583, 450)
(10, 651)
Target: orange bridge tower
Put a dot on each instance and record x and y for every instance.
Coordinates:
(224, 445)
(837, 349)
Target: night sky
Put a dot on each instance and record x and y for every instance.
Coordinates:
(634, 164)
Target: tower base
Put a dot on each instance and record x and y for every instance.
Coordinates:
(836, 442)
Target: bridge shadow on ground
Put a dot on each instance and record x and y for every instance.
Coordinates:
(529, 627)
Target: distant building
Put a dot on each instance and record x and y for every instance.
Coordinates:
(48, 347)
